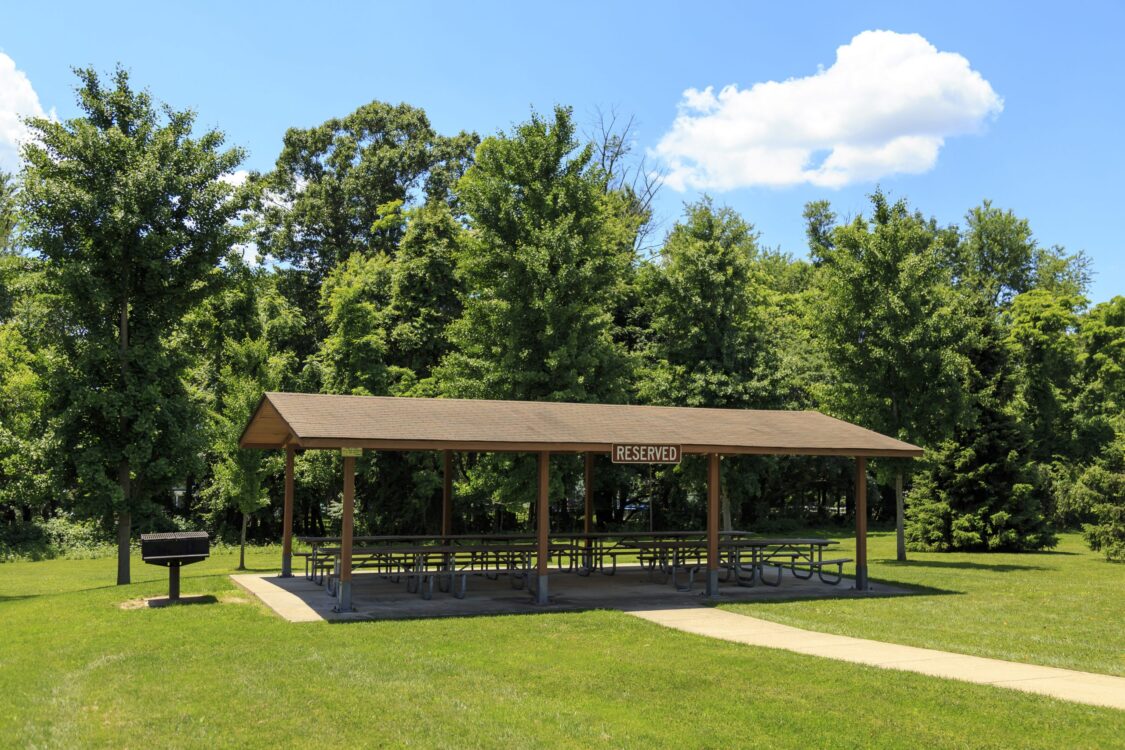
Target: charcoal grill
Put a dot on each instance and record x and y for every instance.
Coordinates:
(173, 551)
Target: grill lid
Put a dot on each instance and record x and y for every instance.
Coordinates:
(174, 535)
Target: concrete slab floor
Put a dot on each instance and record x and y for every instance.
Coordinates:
(376, 598)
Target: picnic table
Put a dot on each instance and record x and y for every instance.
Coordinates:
(423, 565)
(448, 561)
(744, 560)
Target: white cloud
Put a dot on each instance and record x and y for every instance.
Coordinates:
(17, 100)
(884, 107)
(237, 178)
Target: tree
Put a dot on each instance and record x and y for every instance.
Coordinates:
(542, 266)
(1041, 329)
(28, 337)
(1103, 486)
(1101, 376)
(706, 342)
(328, 195)
(973, 492)
(1041, 339)
(1097, 497)
(239, 476)
(131, 212)
(999, 258)
(425, 291)
(889, 325)
(25, 437)
(704, 345)
(354, 301)
(8, 211)
(240, 341)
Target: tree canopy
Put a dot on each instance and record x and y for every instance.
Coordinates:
(146, 302)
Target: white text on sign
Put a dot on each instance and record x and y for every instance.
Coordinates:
(645, 454)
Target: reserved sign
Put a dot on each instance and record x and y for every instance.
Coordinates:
(645, 454)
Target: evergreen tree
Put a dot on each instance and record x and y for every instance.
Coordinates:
(1102, 489)
(973, 492)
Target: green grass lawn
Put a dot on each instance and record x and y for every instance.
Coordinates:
(1064, 608)
(77, 670)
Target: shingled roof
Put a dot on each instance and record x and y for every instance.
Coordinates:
(308, 420)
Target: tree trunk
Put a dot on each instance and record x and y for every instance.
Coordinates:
(899, 517)
(724, 511)
(124, 531)
(242, 547)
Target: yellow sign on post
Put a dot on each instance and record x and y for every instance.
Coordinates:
(351, 452)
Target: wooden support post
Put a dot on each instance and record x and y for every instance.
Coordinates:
(713, 524)
(588, 507)
(861, 523)
(345, 598)
(588, 512)
(447, 494)
(900, 519)
(287, 516)
(542, 528)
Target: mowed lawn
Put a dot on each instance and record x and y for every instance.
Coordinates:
(1063, 608)
(77, 670)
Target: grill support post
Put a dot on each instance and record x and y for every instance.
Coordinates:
(174, 583)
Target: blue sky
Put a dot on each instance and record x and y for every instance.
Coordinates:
(1019, 103)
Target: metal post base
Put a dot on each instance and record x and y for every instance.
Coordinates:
(712, 583)
(344, 597)
(286, 566)
(861, 578)
(541, 590)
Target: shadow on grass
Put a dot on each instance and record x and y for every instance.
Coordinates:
(959, 565)
(899, 590)
(183, 601)
(135, 582)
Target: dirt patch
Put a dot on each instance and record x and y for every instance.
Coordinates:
(234, 599)
(154, 602)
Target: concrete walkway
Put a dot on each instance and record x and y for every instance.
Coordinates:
(1067, 684)
(279, 599)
